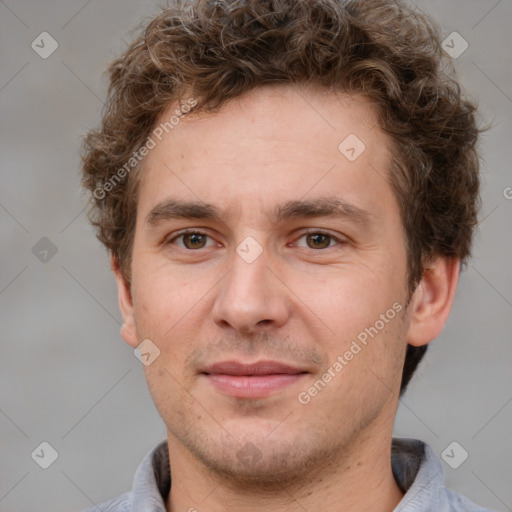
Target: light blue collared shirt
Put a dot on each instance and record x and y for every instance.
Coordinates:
(416, 469)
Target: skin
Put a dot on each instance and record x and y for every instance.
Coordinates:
(303, 301)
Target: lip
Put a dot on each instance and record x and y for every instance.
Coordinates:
(252, 380)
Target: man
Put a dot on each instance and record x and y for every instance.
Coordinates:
(287, 190)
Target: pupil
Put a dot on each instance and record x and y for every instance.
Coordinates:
(195, 239)
(317, 240)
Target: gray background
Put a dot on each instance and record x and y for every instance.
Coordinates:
(69, 379)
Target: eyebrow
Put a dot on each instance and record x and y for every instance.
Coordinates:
(331, 207)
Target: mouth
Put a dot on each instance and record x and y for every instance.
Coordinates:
(255, 380)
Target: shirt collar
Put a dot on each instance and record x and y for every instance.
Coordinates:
(419, 475)
(152, 481)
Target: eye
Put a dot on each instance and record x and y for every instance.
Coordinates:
(190, 240)
(193, 239)
(319, 240)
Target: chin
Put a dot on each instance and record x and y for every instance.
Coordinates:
(257, 461)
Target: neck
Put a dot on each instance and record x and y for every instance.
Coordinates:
(360, 479)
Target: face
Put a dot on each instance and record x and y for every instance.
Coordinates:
(276, 299)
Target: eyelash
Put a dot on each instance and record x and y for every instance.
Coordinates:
(306, 233)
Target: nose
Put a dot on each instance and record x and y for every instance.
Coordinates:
(251, 296)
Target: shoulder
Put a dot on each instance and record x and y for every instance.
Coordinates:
(120, 504)
(459, 503)
(418, 472)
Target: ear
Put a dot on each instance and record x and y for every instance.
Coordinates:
(432, 300)
(128, 330)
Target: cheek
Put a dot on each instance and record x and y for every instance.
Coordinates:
(363, 310)
(162, 295)
(346, 299)
(170, 390)
(170, 311)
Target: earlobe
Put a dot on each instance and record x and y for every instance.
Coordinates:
(128, 329)
(432, 300)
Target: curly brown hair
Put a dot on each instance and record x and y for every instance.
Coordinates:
(217, 50)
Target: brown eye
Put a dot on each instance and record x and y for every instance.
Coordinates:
(318, 240)
(194, 240)
(191, 240)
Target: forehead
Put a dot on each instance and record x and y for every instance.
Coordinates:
(273, 144)
(280, 113)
